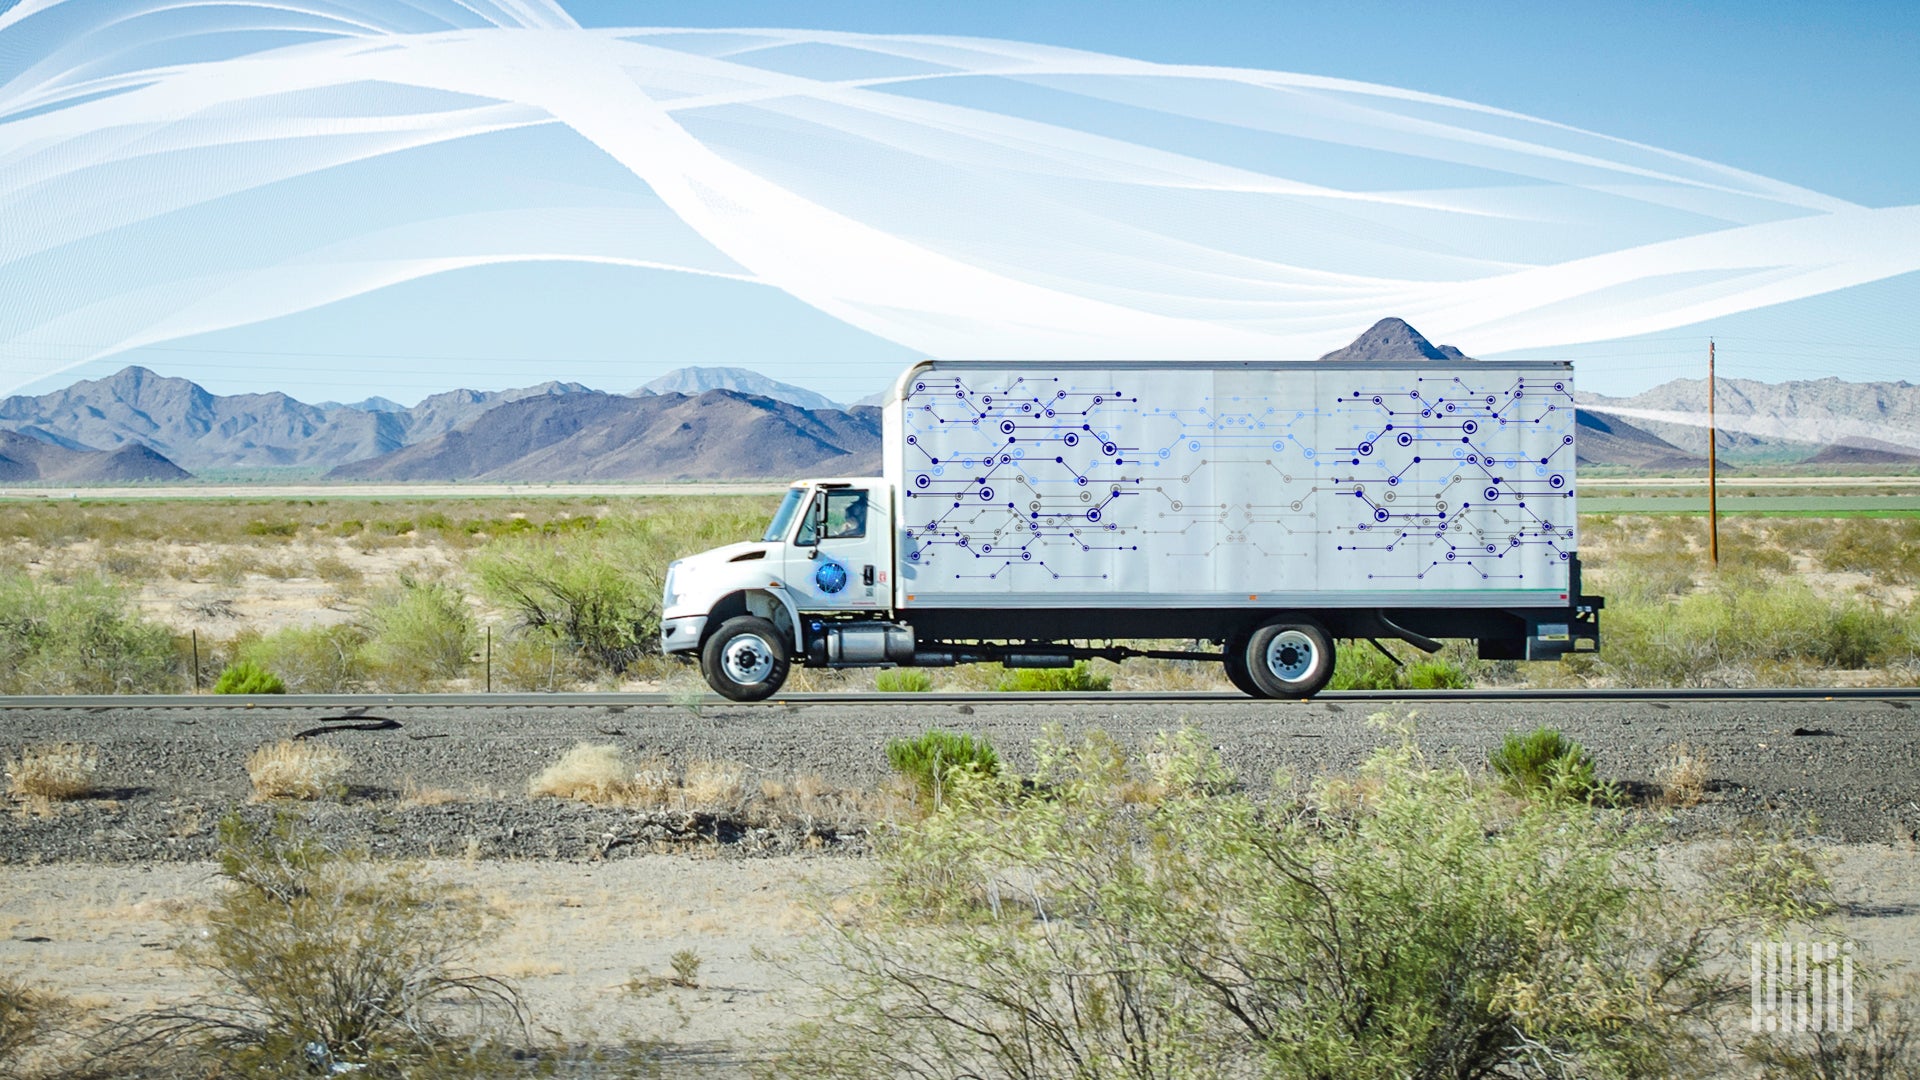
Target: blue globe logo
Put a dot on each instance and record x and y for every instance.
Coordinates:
(831, 577)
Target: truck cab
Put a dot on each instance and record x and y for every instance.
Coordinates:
(746, 610)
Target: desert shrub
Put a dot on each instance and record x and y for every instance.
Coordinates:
(1546, 764)
(1752, 553)
(297, 769)
(686, 967)
(903, 681)
(327, 963)
(27, 1016)
(1682, 777)
(336, 570)
(1886, 549)
(264, 528)
(714, 784)
(310, 659)
(1412, 921)
(536, 661)
(117, 562)
(929, 761)
(247, 677)
(1766, 869)
(79, 638)
(1883, 1045)
(1076, 679)
(599, 773)
(419, 633)
(1645, 577)
(594, 773)
(63, 770)
(1435, 675)
(597, 589)
(231, 567)
(1743, 628)
(1360, 666)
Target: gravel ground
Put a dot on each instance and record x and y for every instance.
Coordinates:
(97, 890)
(1853, 768)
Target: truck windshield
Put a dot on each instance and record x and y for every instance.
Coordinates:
(783, 517)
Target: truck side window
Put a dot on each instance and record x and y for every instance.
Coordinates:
(846, 517)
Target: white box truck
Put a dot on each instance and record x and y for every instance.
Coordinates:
(1039, 514)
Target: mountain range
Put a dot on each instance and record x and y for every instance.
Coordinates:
(1393, 339)
(1821, 421)
(197, 430)
(27, 460)
(655, 437)
(733, 423)
(694, 381)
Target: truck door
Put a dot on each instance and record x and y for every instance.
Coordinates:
(841, 556)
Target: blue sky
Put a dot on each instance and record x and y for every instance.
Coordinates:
(1824, 96)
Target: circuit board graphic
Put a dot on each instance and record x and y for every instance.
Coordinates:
(1301, 478)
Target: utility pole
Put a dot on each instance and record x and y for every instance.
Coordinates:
(1713, 469)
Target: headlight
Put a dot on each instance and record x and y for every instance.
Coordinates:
(671, 594)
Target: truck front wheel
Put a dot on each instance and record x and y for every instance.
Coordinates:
(745, 660)
(1290, 658)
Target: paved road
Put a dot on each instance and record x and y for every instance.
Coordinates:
(1853, 765)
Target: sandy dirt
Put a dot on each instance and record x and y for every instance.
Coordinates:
(588, 944)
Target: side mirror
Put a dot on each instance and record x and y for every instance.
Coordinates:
(816, 524)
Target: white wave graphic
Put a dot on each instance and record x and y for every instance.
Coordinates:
(173, 167)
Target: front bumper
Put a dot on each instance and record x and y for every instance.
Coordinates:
(682, 634)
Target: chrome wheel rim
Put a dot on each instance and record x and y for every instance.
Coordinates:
(747, 659)
(1291, 656)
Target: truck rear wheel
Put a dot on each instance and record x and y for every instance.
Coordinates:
(745, 660)
(1289, 658)
(1234, 659)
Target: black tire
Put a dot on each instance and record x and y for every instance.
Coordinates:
(1290, 657)
(1234, 659)
(745, 660)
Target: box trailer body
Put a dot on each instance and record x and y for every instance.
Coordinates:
(1029, 511)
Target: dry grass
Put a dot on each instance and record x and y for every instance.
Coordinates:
(600, 774)
(297, 769)
(1682, 777)
(412, 794)
(53, 771)
(337, 571)
(591, 773)
(714, 784)
(28, 1015)
(809, 801)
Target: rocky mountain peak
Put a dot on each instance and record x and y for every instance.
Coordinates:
(1394, 339)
